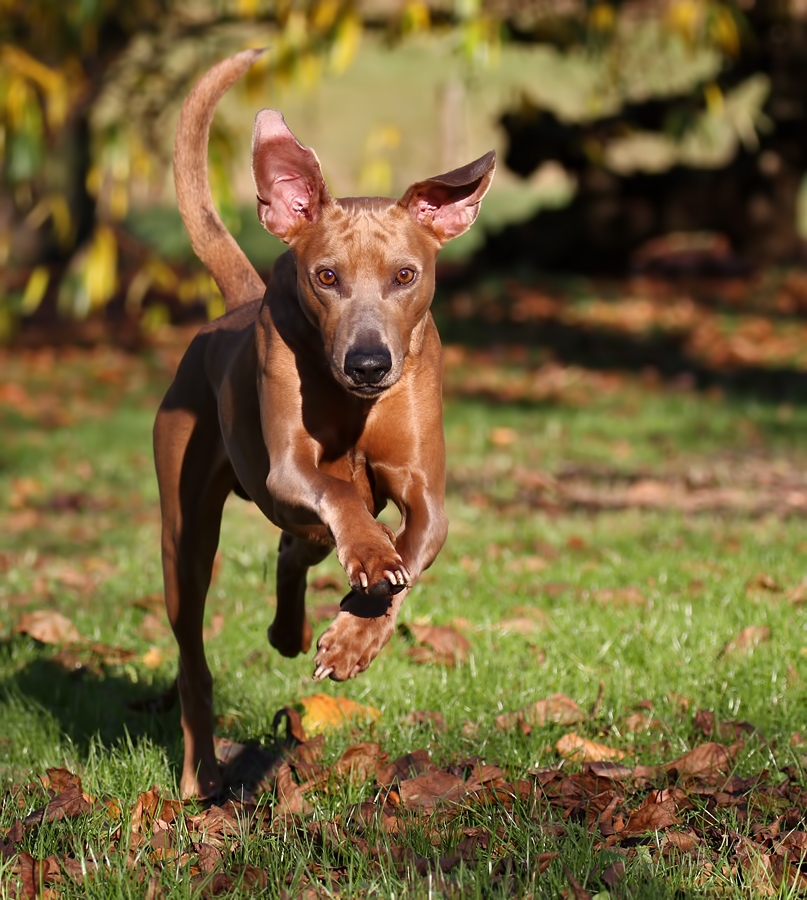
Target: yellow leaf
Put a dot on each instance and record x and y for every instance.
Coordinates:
(415, 17)
(100, 273)
(602, 17)
(325, 713)
(153, 658)
(346, 44)
(325, 14)
(35, 289)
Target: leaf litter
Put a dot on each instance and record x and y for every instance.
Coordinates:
(670, 811)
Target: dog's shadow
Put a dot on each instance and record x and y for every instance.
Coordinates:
(91, 705)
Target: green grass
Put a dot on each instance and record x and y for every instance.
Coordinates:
(635, 604)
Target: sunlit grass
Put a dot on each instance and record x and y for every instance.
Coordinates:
(627, 605)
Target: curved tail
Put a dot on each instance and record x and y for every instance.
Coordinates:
(213, 244)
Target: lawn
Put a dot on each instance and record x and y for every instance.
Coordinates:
(599, 687)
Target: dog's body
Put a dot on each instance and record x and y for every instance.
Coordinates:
(319, 400)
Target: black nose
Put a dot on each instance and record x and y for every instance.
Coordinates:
(367, 365)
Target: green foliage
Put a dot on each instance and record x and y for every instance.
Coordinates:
(89, 89)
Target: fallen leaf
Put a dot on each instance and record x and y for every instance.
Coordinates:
(288, 794)
(407, 766)
(798, 595)
(558, 708)
(522, 625)
(431, 789)
(437, 644)
(325, 713)
(328, 582)
(707, 759)
(153, 658)
(651, 817)
(576, 890)
(48, 627)
(625, 596)
(749, 638)
(215, 628)
(361, 761)
(580, 749)
(763, 582)
(503, 437)
(425, 717)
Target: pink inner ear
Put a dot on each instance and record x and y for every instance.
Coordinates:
(434, 207)
(288, 178)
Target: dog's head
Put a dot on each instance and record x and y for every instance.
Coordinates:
(365, 267)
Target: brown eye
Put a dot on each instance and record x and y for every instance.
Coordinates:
(405, 276)
(327, 277)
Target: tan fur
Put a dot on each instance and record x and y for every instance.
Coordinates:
(337, 385)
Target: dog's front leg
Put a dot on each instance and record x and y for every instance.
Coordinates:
(365, 624)
(304, 496)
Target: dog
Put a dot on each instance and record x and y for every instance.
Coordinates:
(317, 398)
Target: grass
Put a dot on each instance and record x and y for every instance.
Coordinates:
(628, 603)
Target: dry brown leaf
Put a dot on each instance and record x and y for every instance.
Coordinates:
(763, 582)
(443, 644)
(749, 638)
(407, 766)
(48, 627)
(325, 713)
(576, 890)
(558, 708)
(430, 789)
(640, 721)
(521, 625)
(425, 717)
(798, 595)
(361, 761)
(60, 779)
(624, 596)
(580, 749)
(288, 794)
(651, 817)
(707, 759)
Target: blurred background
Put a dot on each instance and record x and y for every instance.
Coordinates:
(661, 139)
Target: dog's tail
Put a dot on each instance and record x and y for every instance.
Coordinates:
(214, 245)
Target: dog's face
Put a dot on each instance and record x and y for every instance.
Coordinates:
(365, 267)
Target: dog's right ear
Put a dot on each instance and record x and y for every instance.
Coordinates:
(288, 179)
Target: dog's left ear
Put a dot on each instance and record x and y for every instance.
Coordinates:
(448, 204)
(288, 178)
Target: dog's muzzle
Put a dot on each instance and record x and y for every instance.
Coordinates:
(367, 367)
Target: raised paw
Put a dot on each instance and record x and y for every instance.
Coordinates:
(351, 643)
(372, 564)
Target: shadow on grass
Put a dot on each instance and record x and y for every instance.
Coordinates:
(612, 350)
(89, 704)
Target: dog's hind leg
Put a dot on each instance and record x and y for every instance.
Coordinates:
(290, 633)
(195, 478)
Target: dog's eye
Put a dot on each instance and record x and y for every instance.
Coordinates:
(327, 277)
(405, 276)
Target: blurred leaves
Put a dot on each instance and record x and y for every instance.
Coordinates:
(89, 91)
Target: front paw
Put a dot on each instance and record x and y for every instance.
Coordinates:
(372, 563)
(351, 643)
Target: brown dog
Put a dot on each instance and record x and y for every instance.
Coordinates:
(318, 399)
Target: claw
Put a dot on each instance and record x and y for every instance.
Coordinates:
(321, 672)
(363, 580)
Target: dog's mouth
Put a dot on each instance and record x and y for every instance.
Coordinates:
(368, 391)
